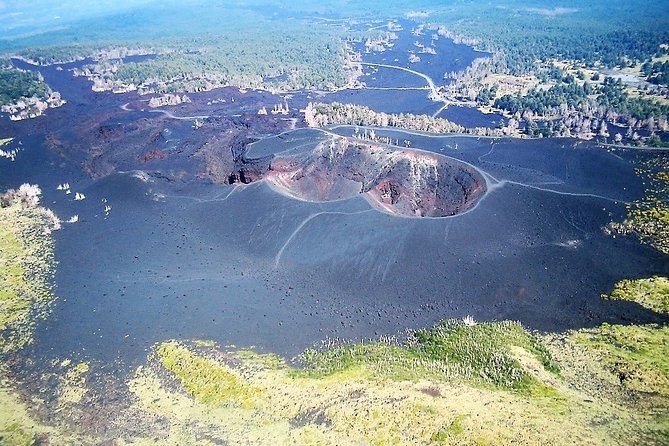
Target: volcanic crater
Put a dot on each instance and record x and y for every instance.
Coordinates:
(401, 182)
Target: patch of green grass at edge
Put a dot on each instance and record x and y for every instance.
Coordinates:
(14, 434)
(636, 354)
(24, 255)
(205, 379)
(652, 293)
(453, 430)
(479, 354)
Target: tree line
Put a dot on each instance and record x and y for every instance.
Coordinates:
(607, 101)
(320, 115)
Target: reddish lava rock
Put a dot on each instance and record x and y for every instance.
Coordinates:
(153, 155)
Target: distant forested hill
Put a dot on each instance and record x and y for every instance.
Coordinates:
(612, 32)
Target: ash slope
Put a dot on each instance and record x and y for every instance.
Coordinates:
(245, 265)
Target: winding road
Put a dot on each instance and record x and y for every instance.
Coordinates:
(434, 91)
(430, 82)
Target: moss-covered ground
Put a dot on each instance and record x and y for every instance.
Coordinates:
(17, 426)
(635, 354)
(652, 293)
(26, 262)
(26, 259)
(456, 383)
(626, 365)
(480, 354)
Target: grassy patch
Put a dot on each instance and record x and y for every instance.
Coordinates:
(635, 354)
(252, 359)
(478, 354)
(26, 259)
(374, 360)
(483, 352)
(17, 428)
(625, 366)
(73, 384)
(14, 434)
(652, 293)
(450, 432)
(594, 360)
(204, 343)
(207, 380)
(377, 394)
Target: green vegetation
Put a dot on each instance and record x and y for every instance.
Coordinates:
(310, 60)
(205, 379)
(445, 386)
(244, 54)
(456, 383)
(59, 54)
(26, 259)
(564, 99)
(626, 365)
(483, 351)
(198, 47)
(612, 96)
(17, 427)
(16, 85)
(635, 354)
(247, 44)
(454, 430)
(526, 38)
(649, 217)
(73, 384)
(480, 354)
(656, 72)
(612, 33)
(652, 293)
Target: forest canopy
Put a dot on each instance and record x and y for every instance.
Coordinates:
(15, 85)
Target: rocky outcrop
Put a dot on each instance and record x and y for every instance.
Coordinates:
(32, 107)
(168, 99)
